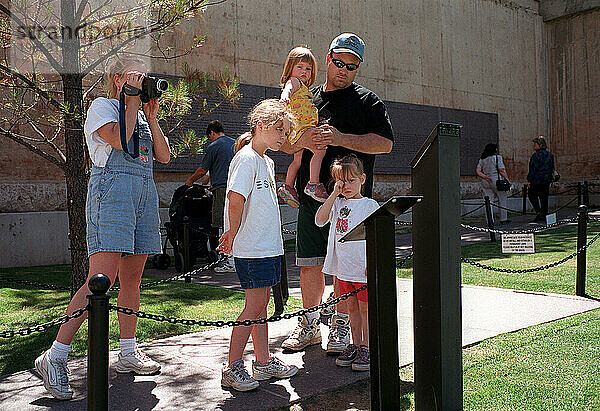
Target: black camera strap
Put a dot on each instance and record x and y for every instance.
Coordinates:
(123, 129)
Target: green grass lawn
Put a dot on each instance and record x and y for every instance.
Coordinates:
(550, 246)
(22, 306)
(553, 366)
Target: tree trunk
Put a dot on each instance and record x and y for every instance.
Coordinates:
(76, 175)
(77, 178)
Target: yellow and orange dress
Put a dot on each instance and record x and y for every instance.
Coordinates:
(302, 107)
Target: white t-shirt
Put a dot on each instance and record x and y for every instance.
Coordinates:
(102, 111)
(253, 177)
(488, 167)
(348, 260)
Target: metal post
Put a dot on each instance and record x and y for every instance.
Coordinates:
(383, 323)
(285, 292)
(586, 194)
(436, 272)
(582, 216)
(524, 199)
(186, 249)
(490, 218)
(98, 343)
(579, 201)
(277, 290)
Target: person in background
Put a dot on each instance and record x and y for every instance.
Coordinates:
(217, 157)
(489, 168)
(541, 167)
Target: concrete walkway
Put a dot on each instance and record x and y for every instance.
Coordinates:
(190, 377)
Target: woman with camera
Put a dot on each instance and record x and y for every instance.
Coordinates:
(494, 179)
(541, 170)
(122, 216)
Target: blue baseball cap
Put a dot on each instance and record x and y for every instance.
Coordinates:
(348, 43)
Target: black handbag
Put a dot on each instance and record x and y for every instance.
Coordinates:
(501, 184)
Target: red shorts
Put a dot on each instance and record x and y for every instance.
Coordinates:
(348, 286)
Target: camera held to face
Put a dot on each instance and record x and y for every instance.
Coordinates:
(152, 87)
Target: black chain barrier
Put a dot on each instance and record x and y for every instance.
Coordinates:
(531, 270)
(180, 276)
(472, 211)
(286, 231)
(509, 209)
(403, 223)
(203, 323)
(43, 327)
(35, 283)
(527, 231)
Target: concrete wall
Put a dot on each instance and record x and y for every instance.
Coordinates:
(482, 55)
(553, 9)
(574, 60)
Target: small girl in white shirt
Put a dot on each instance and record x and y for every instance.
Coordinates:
(253, 235)
(344, 209)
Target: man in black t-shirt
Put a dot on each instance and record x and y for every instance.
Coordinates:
(356, 122)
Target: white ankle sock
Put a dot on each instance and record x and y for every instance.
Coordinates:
(127, 345)
(311, 316)
(59, 351)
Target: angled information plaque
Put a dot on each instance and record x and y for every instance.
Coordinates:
(394, 206)
(378, 229)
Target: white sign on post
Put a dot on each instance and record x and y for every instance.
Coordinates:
(518, 243)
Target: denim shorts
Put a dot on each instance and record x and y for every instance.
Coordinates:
(122, 213)
(258, 272)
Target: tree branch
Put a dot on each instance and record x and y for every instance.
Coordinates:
(55, 64)
(33, 87)
(157, 26)
(33, 148)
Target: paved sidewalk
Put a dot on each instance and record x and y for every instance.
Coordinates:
(190, 377)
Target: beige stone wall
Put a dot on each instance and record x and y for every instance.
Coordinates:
(574, 57)
(478, 55)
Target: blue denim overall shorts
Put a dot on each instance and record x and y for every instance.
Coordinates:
(122, 201)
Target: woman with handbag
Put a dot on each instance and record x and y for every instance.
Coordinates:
(494, 179)
(541, 174)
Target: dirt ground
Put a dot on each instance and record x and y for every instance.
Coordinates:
(353, 397)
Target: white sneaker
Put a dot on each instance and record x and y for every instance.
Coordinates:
(304, 334)
(55, 376)
(274, 368)
(226, 267)
(137, 362)
(236, 377)
(339, 335)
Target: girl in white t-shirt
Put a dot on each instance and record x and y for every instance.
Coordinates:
(344, 209)
(253, 235)
(122, 218)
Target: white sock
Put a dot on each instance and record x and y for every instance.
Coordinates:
(59, 351)
(312, 316)
(127, 345)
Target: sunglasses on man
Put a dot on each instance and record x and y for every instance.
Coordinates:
(340, 64)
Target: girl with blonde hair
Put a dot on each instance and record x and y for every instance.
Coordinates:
(253, 235)
(299, 72)
(122, 218)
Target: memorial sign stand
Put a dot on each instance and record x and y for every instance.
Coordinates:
(379, 231)
(436, 271)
